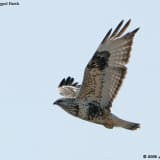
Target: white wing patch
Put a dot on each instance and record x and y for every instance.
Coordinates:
(68, 88)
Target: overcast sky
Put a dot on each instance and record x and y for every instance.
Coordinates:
(45, 41)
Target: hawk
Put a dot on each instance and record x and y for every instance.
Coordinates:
(103, 76)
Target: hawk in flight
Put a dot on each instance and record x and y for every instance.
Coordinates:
(103, 76)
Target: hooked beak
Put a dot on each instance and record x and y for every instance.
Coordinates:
(57, 102)
(54, 102)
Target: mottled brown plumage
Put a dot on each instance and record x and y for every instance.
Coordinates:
(108, 76)
(102, 80)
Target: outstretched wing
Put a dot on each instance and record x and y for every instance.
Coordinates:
(68, 88)
(106, 70)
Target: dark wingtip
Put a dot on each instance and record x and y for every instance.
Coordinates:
(136, 30)
(107, 35)
(129, 21)
(127, 24)
(68, 81)
(121, 22)
(117, 28)
(62, 82)
(119, 25)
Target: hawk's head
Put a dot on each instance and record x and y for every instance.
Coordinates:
(70, 105)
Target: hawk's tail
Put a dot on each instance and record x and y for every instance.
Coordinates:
(124, 124)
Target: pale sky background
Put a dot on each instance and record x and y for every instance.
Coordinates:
(44, 41)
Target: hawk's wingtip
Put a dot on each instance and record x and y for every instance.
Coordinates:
(136, 30)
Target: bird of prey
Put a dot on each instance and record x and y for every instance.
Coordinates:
(103, 76)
